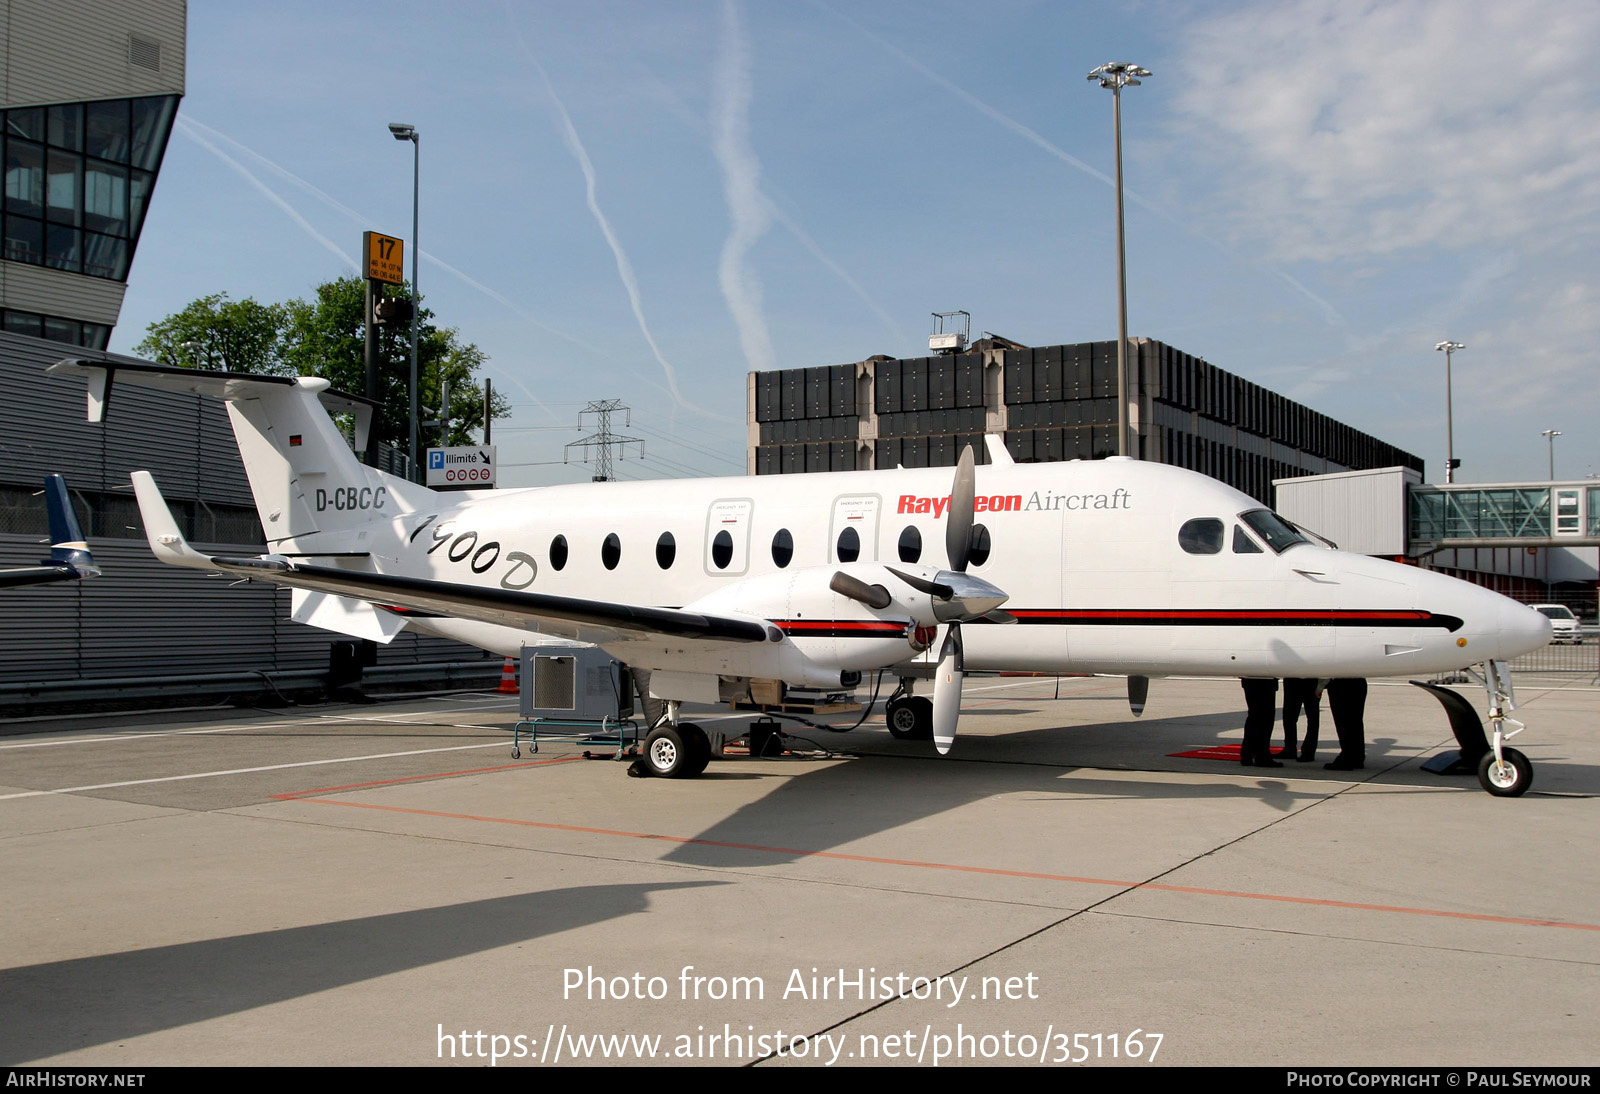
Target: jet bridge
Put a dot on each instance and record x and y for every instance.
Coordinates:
(1534, 514)
(1390, 512)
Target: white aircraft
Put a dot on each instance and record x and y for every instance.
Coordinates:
(716, 586)
(69, 559)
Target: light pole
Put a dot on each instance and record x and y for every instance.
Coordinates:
(1449, 416)
(1116, 75)
(1551, 435)
(404, 132)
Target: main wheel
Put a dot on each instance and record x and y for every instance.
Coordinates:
(667, 754)
(902, 719)
(1510, 779)
(699, 746)
(911, 719)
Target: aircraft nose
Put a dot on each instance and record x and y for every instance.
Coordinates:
(1522, 630)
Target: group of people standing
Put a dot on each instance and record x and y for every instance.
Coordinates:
(1347, 701)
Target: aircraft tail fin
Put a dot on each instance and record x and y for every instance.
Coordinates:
(67, 544)
(312, 493)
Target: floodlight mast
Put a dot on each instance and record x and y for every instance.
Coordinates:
(403, 132)
(1116, 75)
(1551, 435)
(1449, 413)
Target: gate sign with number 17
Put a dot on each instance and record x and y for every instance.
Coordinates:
(385, 257)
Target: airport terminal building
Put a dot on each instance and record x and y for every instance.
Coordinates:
(1050, 403)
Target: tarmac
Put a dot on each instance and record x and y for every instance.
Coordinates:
(384, 884)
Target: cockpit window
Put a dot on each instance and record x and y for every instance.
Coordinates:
(1243, 544)
(1201, 536)
(1272, 528)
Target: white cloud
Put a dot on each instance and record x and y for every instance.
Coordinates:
(1341, 129)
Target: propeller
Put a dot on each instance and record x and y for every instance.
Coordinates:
(1138, 692)
(958, 548)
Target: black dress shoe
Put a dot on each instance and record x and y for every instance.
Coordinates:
(1306, 757)
(1343, 765)
(1268, 762)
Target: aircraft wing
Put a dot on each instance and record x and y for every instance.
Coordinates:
(69, 559)
(575, 617)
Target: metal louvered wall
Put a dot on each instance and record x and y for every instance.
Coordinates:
(140, 618)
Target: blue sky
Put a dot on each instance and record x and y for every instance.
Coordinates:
(646, 200)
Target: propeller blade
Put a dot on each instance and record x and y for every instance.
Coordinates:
(947, 691)
(1138, 692)
(958, 533)
(873, 596)
(923, 585)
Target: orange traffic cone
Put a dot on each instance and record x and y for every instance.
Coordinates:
(508, 678)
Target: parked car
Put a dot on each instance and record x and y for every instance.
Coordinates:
(1563, 624)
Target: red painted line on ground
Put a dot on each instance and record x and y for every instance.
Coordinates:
(420, 778)
(956, 868)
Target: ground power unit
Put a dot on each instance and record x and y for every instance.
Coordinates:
(574, 684)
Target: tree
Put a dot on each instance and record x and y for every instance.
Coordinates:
(217, 333)
(325, 336)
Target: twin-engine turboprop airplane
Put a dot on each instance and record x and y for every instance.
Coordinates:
(69, 559)
(715, 587)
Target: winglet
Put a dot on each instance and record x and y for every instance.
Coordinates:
(999, 455)
(166, 541)
(67, 545)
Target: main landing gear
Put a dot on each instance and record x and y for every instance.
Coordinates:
(676, 751)
(910, 717)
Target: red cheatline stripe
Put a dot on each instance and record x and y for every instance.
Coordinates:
(1211, 613)
(870, 626)
(419, 778)
(986, 870)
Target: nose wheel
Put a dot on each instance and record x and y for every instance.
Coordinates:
(1509, 777)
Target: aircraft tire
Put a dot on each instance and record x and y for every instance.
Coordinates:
(911, 719)
(902, 720)
(667, 754)
(1510, 780)
(699, 746)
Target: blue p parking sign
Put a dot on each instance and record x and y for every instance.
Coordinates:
(435, 460)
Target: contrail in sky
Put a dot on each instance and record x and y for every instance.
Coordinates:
(188, 129)
(359, 218)
(569, 134)
(741, 183)
(1329, 312)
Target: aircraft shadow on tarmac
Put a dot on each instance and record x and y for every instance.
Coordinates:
(899, 783)
(63, 1006)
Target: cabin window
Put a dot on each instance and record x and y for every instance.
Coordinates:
(978, 552)
(1243, 544)
(1201, 536)
(782, 548)
(722, 550)
(1279, 533)
(910, 544)
(558, 552)
(611, 551)
(666, 550)
(849, 547)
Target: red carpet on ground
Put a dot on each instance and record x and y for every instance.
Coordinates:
(1215, 752)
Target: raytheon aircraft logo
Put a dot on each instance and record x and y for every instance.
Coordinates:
(1013, 503)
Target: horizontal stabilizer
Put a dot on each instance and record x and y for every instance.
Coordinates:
(342, 615)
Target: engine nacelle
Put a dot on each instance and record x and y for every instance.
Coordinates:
(825, 633)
